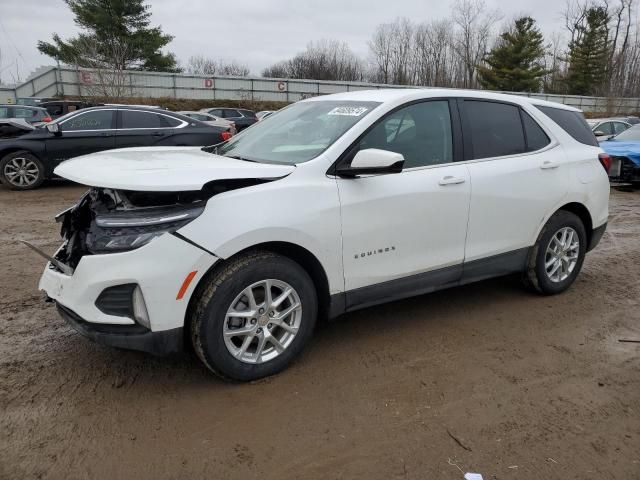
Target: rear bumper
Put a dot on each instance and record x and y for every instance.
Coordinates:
(596, 236)
(131, 337)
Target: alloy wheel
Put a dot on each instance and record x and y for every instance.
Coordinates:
(21, 172)
(562, 254)
(262, 321)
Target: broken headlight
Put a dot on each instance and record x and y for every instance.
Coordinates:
(116, 232)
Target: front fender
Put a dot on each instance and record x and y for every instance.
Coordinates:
(292, 210)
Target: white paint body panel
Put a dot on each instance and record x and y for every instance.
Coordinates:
(422, 223)
(161, 169)
(504, 201)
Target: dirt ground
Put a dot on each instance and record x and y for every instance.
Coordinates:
(485, 378)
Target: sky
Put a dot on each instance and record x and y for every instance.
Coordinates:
(257, 33)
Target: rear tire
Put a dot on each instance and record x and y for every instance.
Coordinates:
(242, 333)
(21, 170)
(557, 256)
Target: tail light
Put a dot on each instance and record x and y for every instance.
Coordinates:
(47, 119)
(605, 161)
(226, 136)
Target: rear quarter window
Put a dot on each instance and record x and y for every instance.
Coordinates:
(571, 122)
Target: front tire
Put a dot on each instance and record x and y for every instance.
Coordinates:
(558, 254)
(21, 170)
(254, 316)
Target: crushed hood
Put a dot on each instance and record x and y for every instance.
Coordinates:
(630, 149)
(162, 169)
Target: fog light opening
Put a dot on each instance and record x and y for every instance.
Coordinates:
(140, 313)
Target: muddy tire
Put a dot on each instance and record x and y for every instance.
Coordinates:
(21, 170)
(254, 316)
(557, 256)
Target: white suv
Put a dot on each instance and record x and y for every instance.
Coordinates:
(332, 204)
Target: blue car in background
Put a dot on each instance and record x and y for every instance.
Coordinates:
(624, 150)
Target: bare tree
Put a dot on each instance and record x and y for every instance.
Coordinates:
(381, 48)
(322, 60)
(104, 75)
(200, 65)
(475, 28)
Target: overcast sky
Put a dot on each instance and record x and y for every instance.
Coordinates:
(254, 32)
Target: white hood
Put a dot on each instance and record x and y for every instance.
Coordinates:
(162, 169)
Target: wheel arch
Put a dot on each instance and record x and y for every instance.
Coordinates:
(10, 150)
(582, 212)
(307, 260)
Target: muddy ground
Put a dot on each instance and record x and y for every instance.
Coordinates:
(484, 378)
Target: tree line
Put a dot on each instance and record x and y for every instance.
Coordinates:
(596, 53)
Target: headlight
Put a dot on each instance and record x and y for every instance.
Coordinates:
(127, 230)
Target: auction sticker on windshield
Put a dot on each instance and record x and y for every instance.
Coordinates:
(348, 111)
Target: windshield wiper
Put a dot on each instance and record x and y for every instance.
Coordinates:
(238, 157)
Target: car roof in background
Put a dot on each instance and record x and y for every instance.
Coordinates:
(31, 107)
(385, 95)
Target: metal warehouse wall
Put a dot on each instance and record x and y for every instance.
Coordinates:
(52, 81)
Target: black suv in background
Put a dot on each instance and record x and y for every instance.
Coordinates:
(57, 108)
(241, 117)
(28, 160)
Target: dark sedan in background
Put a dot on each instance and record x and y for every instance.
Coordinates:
(26, 161)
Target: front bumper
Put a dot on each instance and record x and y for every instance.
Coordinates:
(130, 337)
(158, 268)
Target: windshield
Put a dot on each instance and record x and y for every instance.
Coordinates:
(629, 135)
(297, 133)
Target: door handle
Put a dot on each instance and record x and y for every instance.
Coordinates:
(158, 134)
(451, 180)
(548, 165)
(106, 134)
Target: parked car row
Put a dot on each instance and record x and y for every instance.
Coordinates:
(27, 160)
(70, 128)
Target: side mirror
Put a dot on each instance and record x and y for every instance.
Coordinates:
(372, 161)
(599, 133)
(54, 128)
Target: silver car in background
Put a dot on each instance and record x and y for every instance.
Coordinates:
(211, 120)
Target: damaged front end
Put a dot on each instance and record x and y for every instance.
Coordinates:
(110, 221)
(107, 220)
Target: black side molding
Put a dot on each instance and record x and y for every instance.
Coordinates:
(494, 266)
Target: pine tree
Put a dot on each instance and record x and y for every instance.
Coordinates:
(115, 35)
(516, 63)
(588, 54)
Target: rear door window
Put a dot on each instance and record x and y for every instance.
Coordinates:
(605, 128)
(571, 122)
(495, 128)
(229, 113)
(170, 121)
(619, 127)
(26, 113)
(139, 119)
